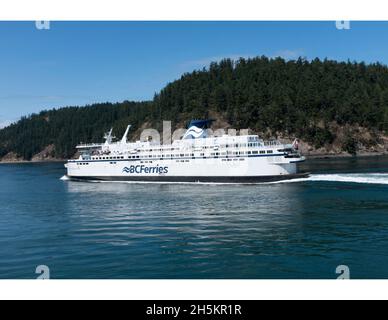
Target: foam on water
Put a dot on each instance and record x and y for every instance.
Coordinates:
(365, 178)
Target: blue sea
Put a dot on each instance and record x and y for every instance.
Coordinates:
(291, 230)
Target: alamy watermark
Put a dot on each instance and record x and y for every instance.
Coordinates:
(343, 272)
(169, 136)
(43, 271)
(342, 24)
(43, 25)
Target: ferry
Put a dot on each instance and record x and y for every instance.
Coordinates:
(196, 157)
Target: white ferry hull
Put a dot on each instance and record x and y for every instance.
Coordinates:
(236, 170)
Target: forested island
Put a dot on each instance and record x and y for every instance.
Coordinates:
(334, 108)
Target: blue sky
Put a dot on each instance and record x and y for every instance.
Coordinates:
(76, 63)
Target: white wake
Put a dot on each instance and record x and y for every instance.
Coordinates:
(365, 178)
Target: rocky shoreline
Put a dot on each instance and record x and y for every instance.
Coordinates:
(32, 161)
(347, 155)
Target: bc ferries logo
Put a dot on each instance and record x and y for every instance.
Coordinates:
(144, 169)
(194, 133)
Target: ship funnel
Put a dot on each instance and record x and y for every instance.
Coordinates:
(124, 139)
(197, 129)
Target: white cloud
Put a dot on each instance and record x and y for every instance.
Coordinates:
(289, 54)
(4, 123)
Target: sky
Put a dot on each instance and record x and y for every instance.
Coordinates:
(79, 63)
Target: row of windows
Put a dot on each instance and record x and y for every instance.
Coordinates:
(233, 159)
(237, 145)
(189, 155)
(109, 158)
(182, 161)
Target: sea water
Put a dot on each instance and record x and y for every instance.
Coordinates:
(300, 229)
